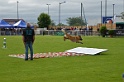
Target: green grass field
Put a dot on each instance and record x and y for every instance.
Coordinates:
(106, 67)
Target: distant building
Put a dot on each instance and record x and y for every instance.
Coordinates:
(120, 25)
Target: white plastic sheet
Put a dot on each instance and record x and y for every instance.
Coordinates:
(84, 50)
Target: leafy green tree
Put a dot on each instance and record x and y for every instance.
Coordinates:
(103, 31)
(44, 20)
(75, 21)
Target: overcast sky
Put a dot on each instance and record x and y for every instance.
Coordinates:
(29, 10)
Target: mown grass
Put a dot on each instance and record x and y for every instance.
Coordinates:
(106, 67)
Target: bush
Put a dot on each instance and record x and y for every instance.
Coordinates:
(103, 30)
(111, 33)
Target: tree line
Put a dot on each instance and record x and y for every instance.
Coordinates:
(44, 20)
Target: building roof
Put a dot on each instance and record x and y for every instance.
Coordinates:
(119, 22)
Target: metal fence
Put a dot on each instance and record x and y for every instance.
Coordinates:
(60, 33)
(78, 32)
(10, 33)
(71, 32)
(53, 32)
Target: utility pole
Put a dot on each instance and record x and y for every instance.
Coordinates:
(60, 11)
(48, 8)
(17, 11)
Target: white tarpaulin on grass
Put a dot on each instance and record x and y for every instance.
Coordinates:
(84, 50)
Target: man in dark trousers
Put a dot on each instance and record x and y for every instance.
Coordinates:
(28, 38)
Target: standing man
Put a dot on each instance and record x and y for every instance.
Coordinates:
(28, 38)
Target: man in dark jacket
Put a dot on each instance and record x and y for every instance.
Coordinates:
(28, 38)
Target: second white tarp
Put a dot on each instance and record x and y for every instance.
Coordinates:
(84, 50)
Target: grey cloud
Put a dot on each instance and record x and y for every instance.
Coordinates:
(29, 10)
